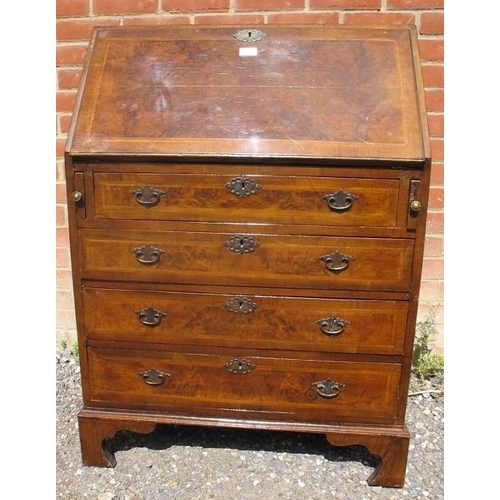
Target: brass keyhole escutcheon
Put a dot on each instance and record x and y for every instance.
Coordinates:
(249, 35)
(239, 366)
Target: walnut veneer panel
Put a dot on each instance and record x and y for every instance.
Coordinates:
(277, 199)
(279, 387)
(286, 261)
(195, 95)
(257, 321)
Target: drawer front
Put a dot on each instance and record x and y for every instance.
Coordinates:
(253, 198)
(248, 385)
(253, 321)
(245, 260)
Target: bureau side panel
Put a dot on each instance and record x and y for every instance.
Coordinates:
(76, 192)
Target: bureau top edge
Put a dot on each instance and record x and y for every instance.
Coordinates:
(286, 93)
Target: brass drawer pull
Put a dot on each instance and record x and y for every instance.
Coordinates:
(241, 244)
(332, 325)
(147, 254)
(340, 201)
(328, 388)
(336, 261)
(242, 186)
(153, 376)
(147, 196)
(239, 366)
(150, 316)
(242, 305)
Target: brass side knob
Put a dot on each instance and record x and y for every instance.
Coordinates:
(77, 196)
(415, 206)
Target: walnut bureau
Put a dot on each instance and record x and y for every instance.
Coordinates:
(247, 214)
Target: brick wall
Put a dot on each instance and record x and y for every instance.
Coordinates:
(76, 18)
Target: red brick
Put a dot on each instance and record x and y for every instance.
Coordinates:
(433, 75)
(246, 19)
(71, 8)
(60, 192)
(61, 216)
(195, 5)
(378, 18)
(64, 122)
(80, 29)
(62, 237)
(60, 146)
(435, 223)
(64, 279)
(62, 258)
(436, 124)
(65, 100)
(434, 100)
(65, 319)
(345, 4)
(268, 4)
(437, 173)
(125, 6)
(68, 78)
(431, 50)
(158, 20)
(436, 198)
(433, 268)
(432, 23)
(59, 170)
(434, 246)
(415, 4)
(64, 299)
(304, 18)
(431, 291)
(437, 149)
(70, 54)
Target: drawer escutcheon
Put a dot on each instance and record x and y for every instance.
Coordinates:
(242, 186)
(241, 244)
(239, 366)
(242, 305)
(249, 35)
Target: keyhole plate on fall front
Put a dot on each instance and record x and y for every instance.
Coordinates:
(249, 35)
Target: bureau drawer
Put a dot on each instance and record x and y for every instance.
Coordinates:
(260, 260)
(242, 198)
(253, 321)
(244, 385)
